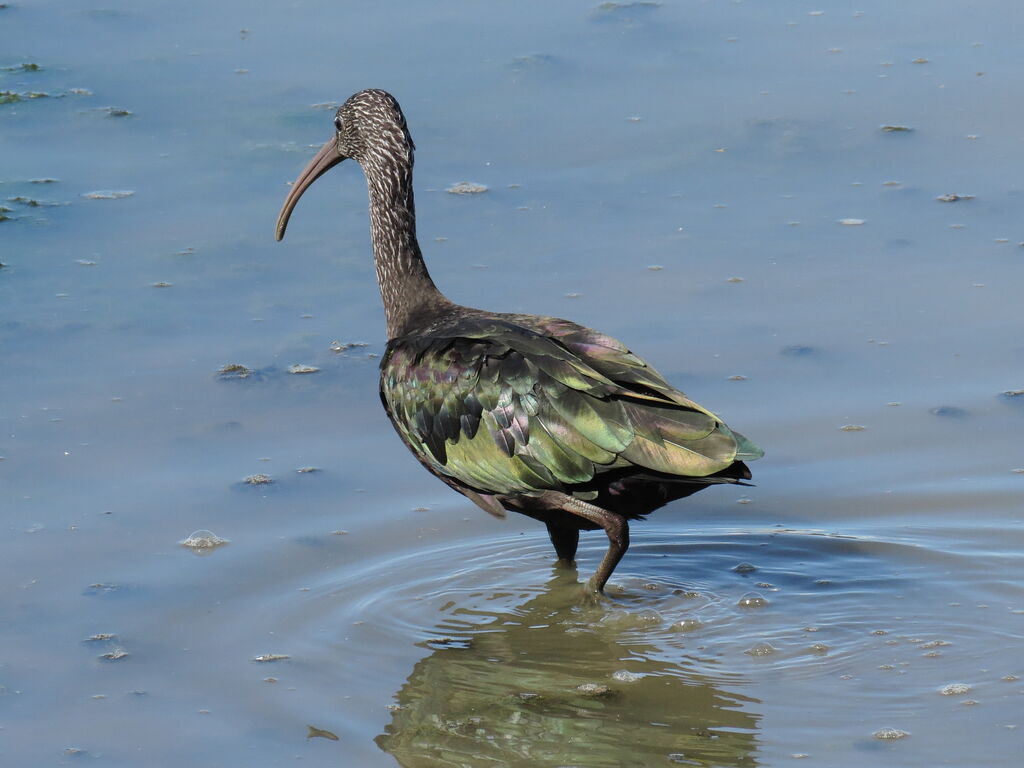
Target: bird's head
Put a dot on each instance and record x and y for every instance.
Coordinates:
(370, 128)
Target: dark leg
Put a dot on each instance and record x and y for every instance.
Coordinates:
(565, 540)
(614, 525)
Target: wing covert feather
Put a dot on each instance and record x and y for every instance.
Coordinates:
(526, 404)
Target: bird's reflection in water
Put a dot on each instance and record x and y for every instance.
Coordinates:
(560, 682)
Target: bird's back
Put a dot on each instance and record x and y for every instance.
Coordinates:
(510, 407)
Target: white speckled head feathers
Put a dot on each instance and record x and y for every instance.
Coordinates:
(371, 129)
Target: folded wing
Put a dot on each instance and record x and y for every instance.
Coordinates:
(525, 404)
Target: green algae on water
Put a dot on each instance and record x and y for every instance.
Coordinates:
(234, 371)
(320, 733)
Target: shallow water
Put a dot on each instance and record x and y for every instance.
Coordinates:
(674, 174)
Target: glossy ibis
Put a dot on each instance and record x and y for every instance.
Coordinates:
(521, 412)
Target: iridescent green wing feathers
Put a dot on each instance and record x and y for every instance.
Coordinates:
(527, 404)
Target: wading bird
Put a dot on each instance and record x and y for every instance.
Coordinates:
(521, 412)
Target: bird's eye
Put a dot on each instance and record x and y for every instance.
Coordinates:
(337, 124)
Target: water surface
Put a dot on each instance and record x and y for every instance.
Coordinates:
(710, 182)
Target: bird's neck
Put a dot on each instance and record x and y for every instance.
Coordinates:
(408, 293)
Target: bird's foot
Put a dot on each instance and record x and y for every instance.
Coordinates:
(595, 596)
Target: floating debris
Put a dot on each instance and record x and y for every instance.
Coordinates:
(259, 480)
(764, 649)
(955, 689)
(325, 105)
(948, 412)
(687, 625)
(734, 279)
(625, 676)
(31, 202)
(895, 128)
(108, 194)
(852, 222)
(852, 428)
(299, 368)
(952, 198)
(234, 371)
(268, 657)
(162, 284)
(919, 60)
(110, 112)
(593, 689)
(27, 67)
(320, 733)
(890, 734)
(466, 188)
(114, 654)
(737, 377)
(203, 541)
(744, 568)
(100, 637)
(752, 600)
(307, 470)
(819, 648)
(1013, 393)
(339, 347)
(610, 8)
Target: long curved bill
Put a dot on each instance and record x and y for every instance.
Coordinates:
(323, 161)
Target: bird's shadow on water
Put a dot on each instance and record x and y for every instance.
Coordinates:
(560, 680)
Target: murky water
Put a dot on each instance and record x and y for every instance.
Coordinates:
(709, 181)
